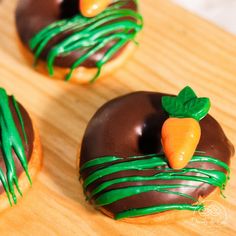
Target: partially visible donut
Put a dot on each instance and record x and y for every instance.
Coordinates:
(20, 151)
(67, 45)
(122, 152)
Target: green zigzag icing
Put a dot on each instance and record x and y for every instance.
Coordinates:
(89, 35)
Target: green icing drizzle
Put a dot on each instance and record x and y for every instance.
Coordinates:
(5, 185)
(89, 35)
(99, 161)
(158, 209)
(20, 118)
(11, 140)
(118, 194)
(132, 165)
(150, 162)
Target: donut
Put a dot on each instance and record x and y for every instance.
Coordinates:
(146, 156)
(77, 40)
(20, 151)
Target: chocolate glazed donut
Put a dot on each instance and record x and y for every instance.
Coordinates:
(32, 16)
(131, 126)
(29, 134)
(55, 31)
(20, 151)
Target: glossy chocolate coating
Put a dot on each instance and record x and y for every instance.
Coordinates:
(131, 125)
(33, 15)
(30, 135)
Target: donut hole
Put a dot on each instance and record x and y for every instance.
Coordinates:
(69, 8)
(149, 141)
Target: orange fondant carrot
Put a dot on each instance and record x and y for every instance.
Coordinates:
(91, 8)
(181, 132)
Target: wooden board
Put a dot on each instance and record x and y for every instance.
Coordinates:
(176, 49)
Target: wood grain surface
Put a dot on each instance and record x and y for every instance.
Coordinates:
(176, 49)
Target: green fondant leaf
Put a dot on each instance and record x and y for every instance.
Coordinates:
(186, 94)
(197, 108)
(186, 104)
(172, 106)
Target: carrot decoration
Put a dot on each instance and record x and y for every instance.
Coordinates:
(181, 131)
(91, 8)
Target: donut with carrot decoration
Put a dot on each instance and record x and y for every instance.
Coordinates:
(78, 40)
(150, 157)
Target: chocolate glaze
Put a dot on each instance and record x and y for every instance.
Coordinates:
(131, 125)
(33, 15)
(30, 135)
